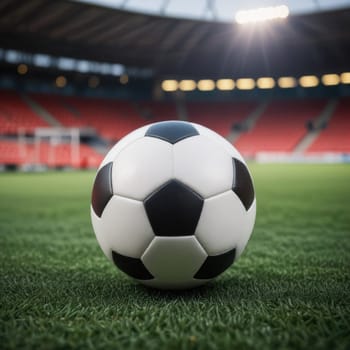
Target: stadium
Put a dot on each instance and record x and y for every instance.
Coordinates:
(271, 77)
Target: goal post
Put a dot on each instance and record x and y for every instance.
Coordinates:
(46, 147)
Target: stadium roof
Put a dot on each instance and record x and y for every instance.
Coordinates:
(220, 10)
(300, 44)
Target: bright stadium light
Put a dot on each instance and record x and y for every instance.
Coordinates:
(66, 63)
(225, 84)
(206, 85)
(42, 60)
(345, 78)
(22, 69)
(93, 82)
(61, 81)
(245, 84)
(265, 83)
(169, 85)
(330, 79)
(124, 79)
(287, 82)
(187, 85)
(262, 14)
(308, 81)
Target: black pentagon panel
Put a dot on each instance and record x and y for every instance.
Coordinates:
(174, 209)
(102, 190)
(172, 131)
(215, 265)
(242, 183)
(131, 266)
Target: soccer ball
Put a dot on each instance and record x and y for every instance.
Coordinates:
(173, 205)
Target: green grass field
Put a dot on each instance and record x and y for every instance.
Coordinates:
(289, 290)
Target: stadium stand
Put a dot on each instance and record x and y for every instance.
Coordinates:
(56, 106)
(16, 115)
(191, 49)
(10, 153)
(110, 118)
(336, 136)
(281, 127)
(219, 116)
(158, 111)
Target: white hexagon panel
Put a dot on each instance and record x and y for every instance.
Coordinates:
(121, 144)
(225, 224)
(224, 144)
(203, 165)
(123, 227)
(173, 262)
(142, 167)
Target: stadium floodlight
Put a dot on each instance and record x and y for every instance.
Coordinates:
(225, 84)
(66, 63)
(187, 85)
(287, 82)
(169, 85)
(265, 83)
(206, 85)
(61, 81)
(262, 14)
(124, 79)
(42, 60)
(345, 78)
(245, 84)
(308, 81)
(330, 79)
(82, 66)
(13, 56)
(22, 69)
(93, 82)
(117, 69)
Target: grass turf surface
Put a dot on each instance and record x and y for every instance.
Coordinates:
(289, 290)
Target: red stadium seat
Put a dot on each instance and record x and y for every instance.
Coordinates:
(159, 111)
(56, 107)
(336, 137)
(219, 116)
(111, 118)
(15, 114)
(13, 153)
(10, 153)
(280, 128)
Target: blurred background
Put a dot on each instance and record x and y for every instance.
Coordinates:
(273, 77)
